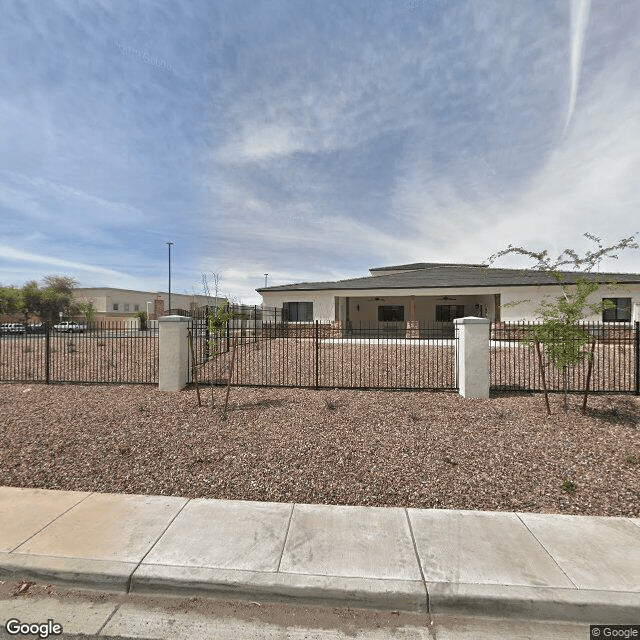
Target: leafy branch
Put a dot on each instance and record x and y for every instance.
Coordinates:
(558, 330)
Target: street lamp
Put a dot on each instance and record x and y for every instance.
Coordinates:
(169, 243)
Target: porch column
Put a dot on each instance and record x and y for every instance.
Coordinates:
(472, 357)
(336, 325)
(413, 327)
(173, 353)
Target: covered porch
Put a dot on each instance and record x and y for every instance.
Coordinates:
(409, 316)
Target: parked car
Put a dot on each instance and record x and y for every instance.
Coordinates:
(69, 327)
(38, 327)
(12, 327)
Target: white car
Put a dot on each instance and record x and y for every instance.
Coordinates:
(12, 327)
(69, 327)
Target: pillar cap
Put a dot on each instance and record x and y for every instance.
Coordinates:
(174, 319)
(471, 320)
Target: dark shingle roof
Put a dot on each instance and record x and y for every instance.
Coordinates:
(434, 276)
(424, 265)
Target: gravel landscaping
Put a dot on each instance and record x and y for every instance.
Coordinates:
(97, 357)
(409, 364)
(383, 448)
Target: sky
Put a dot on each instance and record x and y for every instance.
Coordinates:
(311, 139)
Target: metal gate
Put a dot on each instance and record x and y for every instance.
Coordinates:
(314, 355)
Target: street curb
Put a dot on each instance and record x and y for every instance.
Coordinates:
(401, 595)
(99, 575)
(540, 603)
(438, 598)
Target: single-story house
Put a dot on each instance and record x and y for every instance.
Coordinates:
(434, 294)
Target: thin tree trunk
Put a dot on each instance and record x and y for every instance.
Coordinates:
(233, 355)
(586, 391)
(544, 381)
(564, 379)
(194, 369)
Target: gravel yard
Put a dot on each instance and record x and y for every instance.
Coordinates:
(418, 449)
(80, 358)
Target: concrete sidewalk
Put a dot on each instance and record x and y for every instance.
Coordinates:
(523, 565)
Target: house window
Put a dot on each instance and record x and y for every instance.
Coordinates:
(136, 307)
(391, 313)
(126, 307)
(449, 312)
(298, 311)
(115, 306)
(620, 312)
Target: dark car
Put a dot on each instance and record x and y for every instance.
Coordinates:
(38, 327)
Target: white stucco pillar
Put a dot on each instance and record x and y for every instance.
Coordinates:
(173, 366)
(342, 312)
(472, 357)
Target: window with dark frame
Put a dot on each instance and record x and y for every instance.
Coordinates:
(298, 311)
(391, 313)
(115, 306)
(620, 312)
(449, 312)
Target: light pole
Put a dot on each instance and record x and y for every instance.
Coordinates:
(148, 316)
(169, 243)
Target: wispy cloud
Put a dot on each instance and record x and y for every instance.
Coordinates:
(45, 199)
(579, 23)
(15, 255)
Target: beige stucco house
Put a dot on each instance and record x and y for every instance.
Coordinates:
(434, 294)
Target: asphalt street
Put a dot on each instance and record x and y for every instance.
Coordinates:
(86, 614)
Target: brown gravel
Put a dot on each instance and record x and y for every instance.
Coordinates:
(419, 449)
(292, 361)
(80, 358)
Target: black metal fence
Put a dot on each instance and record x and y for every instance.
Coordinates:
(316, 356)
(94, 353)
(614, 367)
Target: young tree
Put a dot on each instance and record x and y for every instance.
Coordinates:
(217, 320)
(558, 330)
(215, 279)
(217, 324)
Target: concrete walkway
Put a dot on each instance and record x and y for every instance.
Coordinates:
(523, 565)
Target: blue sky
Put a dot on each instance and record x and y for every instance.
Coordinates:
(311, 140)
